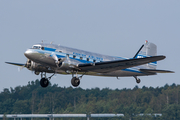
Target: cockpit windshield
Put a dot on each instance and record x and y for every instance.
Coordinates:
(36, 47)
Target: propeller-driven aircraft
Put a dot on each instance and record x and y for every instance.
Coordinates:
(45, 58)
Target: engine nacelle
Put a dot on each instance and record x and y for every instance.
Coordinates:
(37, 68)
(68, 64)
(31, 65)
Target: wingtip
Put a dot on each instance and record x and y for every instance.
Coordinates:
(171, 72)
(7, 62)
(161, 57)
(164, 56)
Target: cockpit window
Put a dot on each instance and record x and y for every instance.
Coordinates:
(36, 47)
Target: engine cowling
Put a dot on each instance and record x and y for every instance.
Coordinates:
(68, 64)
(30, 64)
(37, 68)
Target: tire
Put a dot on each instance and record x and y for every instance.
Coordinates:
(44, 82)
(138, 80)
(75, 81)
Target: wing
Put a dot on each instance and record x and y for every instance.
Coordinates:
(17, 64)
(108, 66)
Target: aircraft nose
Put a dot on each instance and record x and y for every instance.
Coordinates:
(28, 53)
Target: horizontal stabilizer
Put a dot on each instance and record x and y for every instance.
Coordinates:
(155, 71)
(17, 64)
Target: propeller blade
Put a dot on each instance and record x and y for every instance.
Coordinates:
(20, 68)
(54, 57)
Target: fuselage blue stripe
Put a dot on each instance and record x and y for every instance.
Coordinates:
(84, 60)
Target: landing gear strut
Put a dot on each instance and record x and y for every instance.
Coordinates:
(137, 79)
(44, 82)
(75, 81)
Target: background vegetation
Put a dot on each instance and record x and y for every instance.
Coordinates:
(131, 102)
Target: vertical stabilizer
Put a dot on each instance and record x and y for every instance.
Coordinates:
(148, 50)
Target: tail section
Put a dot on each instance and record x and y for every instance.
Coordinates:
(148, 50)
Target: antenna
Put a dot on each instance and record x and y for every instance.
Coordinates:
(138, 51)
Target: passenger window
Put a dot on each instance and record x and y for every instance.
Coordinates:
(42, 48)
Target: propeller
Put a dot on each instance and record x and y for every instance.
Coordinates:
(58, 61)
(20, 68)
(28, 65)
(54, 56)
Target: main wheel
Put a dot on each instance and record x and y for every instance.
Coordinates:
(138, 80)
(75, 81)
(44, 82)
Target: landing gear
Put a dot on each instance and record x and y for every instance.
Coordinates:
(75, 81)
(44, 82)
(137, 79)
(37, 73)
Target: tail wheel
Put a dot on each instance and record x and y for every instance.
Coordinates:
(44, 82)
(138, 80)
(75, 81)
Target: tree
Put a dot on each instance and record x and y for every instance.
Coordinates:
(22, 106)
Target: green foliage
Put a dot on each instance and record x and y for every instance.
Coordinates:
(131, 102)
(22, 106)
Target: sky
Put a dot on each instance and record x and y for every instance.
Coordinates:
(110, 27)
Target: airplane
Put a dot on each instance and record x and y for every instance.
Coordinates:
(45, 58)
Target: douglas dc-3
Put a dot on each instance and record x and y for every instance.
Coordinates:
(56, 59)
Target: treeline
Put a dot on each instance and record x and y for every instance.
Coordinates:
(33, 99)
